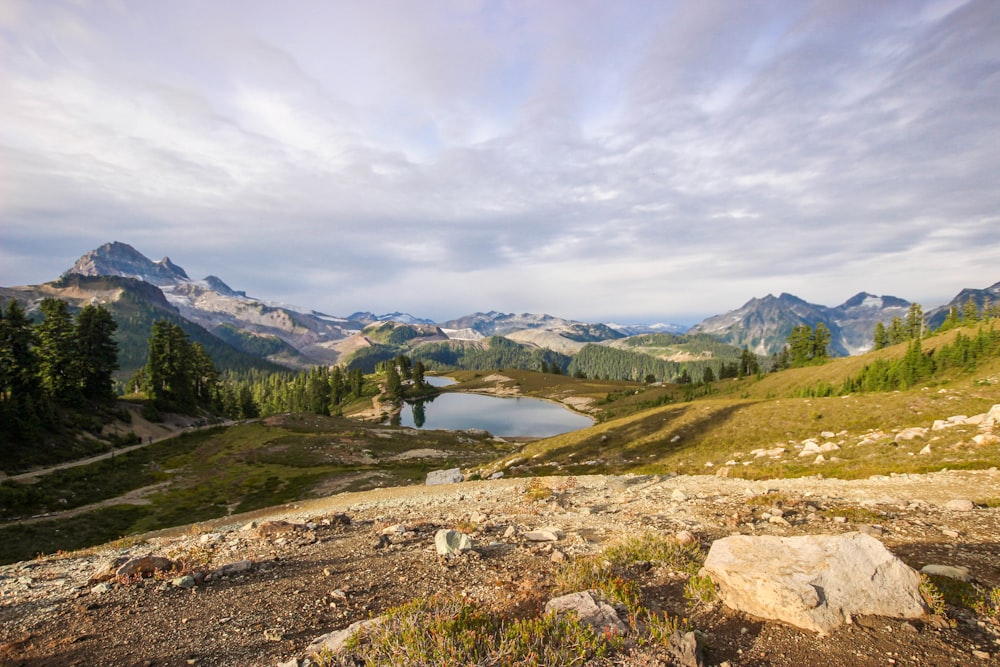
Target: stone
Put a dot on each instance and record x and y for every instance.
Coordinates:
(146, 566)
(108, 569)
(548, 534)
(450, 476)
(497, 475)
(908, 434)
(992, 418)
(102, 588)
(685, 537)
(187, 581)
(276, 528)
(678, 495)
(274, 634)
(230, 569)
(591, 608)
(685, 649)
(960, 505)
(958, 572)
(926, 449)
(334, 641)
(815, 582)
(452, 543)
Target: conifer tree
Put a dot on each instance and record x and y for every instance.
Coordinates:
(58, 365)
(970, 311)
(97, 352)
(881, 337)
(915, 321)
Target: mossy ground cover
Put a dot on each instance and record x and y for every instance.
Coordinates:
(226, 471)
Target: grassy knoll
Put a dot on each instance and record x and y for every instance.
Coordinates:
(225, 471)
(728, 426)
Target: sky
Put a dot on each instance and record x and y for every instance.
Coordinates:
(626, 160)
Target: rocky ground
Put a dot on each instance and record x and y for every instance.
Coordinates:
(273, 587)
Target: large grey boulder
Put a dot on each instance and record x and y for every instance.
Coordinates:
(450, 476)
(590, 608)
(814, 582)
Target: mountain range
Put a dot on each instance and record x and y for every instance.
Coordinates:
(295, 337)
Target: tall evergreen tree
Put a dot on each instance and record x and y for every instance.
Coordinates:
(821, 341)
(97, 352)
(970, 311)
(169, 370)
(915, 321)
(897, 331)
(58, 364)
(881, 336)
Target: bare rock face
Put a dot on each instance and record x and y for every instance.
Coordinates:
(813, 582)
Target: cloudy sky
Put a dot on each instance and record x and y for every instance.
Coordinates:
(627, 160)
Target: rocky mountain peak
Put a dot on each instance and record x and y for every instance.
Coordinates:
(121, 259)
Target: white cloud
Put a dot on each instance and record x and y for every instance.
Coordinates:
(588, 159)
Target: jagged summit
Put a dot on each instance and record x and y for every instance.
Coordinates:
(121, 259)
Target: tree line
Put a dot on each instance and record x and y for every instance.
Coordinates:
(54, 371)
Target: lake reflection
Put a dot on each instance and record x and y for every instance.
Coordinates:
(506, 417)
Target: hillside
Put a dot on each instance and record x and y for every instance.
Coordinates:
(135, 305)
(735, 420)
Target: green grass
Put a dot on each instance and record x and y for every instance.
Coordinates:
(210, 474)
(727, 427)
(445, 630)
(25, 541)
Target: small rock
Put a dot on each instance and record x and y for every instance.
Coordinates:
(543, 535)
(101, 589)
(925, 450)
(187, 581)
(557, 556)
(230, 569)
(960, 505)
(146, 566)
(959, 572)
(509, 533)
(590, 608)
(685, 649)
(678, 495)
(497, 475)
(274, 634)
(685, 537)
(334, 641)
(450, 476)
(982, 655)
(397, 529)
(452, 543)
(276, 528)
(908, 434)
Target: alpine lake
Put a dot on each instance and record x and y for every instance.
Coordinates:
(507, 417)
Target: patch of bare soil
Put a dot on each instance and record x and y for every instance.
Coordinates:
(322, 573)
